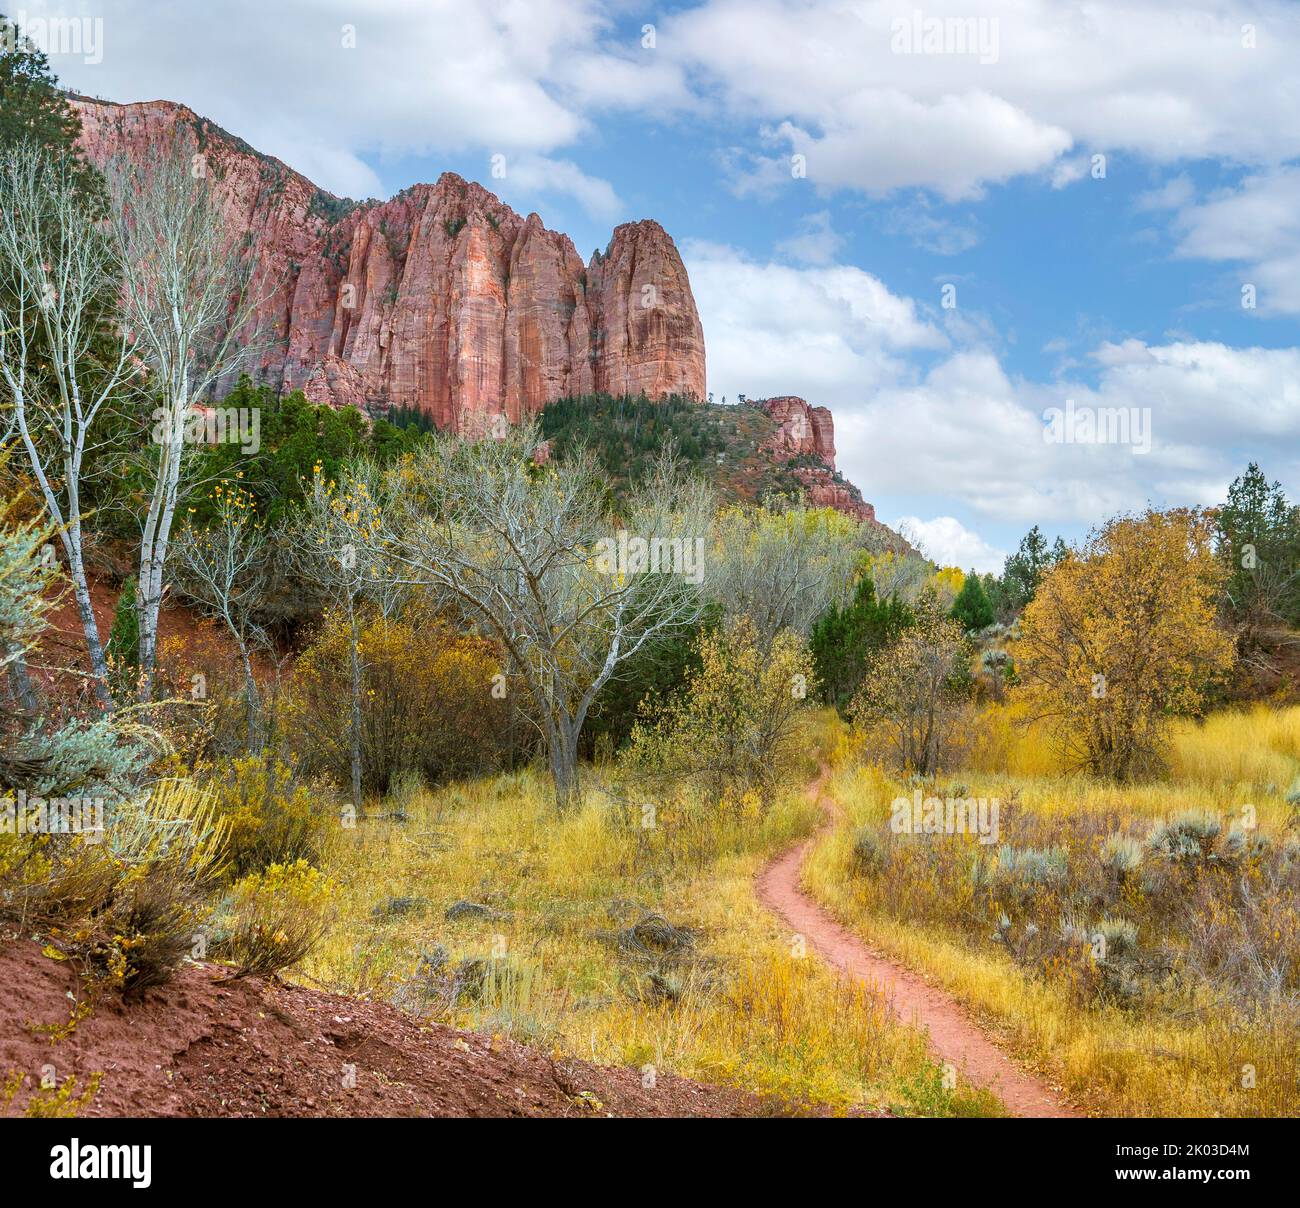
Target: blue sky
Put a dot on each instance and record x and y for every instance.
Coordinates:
(963, 160)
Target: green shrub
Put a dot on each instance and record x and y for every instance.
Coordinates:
(1030, 866)
(1190, 837)
(1105, 960)
(170, 848)
(123, 649)
(270, 816)
(429, 707)
(733, 729)
(65, 1101)
(1121, 854)
(1117, 938)
(1241, 844)
(869, 854)
(130, 904)
(269, 921)
(54, 879)
(125, 900)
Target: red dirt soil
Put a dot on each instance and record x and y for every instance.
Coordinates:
(201, 1048)
(188, 643)
(953, 1036)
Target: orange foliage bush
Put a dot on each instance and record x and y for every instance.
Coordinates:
(428, 704)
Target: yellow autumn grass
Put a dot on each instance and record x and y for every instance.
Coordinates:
(750, 1013)
(1257, 748)
(1207, 1061)
(1248, 751)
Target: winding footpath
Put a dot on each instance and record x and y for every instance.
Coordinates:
(953, 1037)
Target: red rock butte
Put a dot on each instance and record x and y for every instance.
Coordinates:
(808, 433)
(442, 300)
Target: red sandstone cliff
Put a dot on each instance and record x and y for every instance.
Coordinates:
(802, 429)
(446, 301)
(442, 299)
(807, 434)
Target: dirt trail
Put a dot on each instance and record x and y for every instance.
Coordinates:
(953, 1037)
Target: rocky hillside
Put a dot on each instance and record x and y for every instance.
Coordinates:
(752, 451)
(442, 299)
(804, 441)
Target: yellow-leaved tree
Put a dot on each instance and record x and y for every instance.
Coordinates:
(1123, 636)
(734, 728)
(914, 689)
(946, 583)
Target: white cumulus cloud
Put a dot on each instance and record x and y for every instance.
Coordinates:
(948, 542)
(1165, 82)
(827, 330)
(1257, 226)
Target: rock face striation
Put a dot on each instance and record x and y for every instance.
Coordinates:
(802, 429)
(441, 300)
(444, 301)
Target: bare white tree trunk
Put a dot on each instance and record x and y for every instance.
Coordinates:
(155, 537)
(185, 291)
(331, 553)
(20, 682)
(57, 273)
(354, 658)
(530, 558)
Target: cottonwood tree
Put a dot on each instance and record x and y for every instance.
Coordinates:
(734, 727)
(186, 301)
(782, 569)
(223, 568)
(1123, 636)
(533, 555)
(899, 576)
(339, 547)
(913, 688)
(59, 366)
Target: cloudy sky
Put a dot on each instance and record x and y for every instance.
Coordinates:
(945, 231)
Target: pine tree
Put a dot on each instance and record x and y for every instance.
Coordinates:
(31, 105)
(1259, 536)
(34, 110)
(124, 641)
(1024, 570)
(842, 640)
(971, 609)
